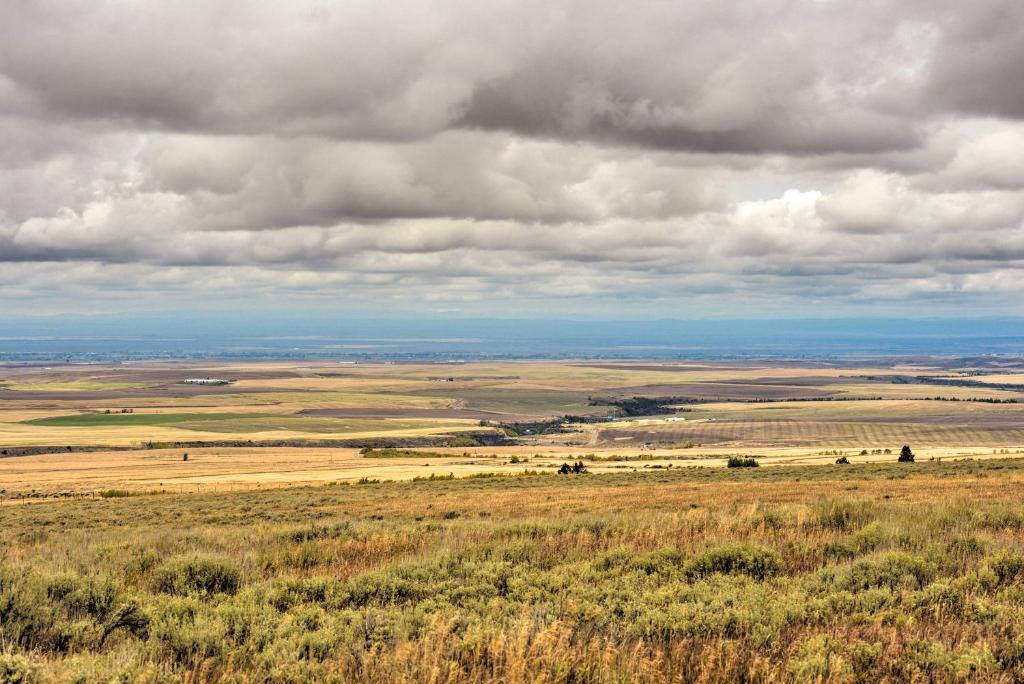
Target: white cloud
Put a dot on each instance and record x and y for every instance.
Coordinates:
(781, 154)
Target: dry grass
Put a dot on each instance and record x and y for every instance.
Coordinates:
(658, 565)
(826, 573)
(233, 468)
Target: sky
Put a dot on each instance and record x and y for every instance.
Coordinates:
(790, 158)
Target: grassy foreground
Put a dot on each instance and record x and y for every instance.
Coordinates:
(855, 573)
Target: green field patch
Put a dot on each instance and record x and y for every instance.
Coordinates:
(132, 419)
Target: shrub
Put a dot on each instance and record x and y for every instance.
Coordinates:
(664, 561)
(863, 658)
(115, 493)
(837, 550)
(865, 540)
(487, 476)
(1008, 566)
(868, 538)
(338, 530)
(288, 592)
(842, 460)
(197, 575)
(891, 570)
(129, 617)
(836, 514)
(80, 596)
(191, 641)
(382, 589)
(739, 462)
(734, 559)
(304, 556)
(27, 616)
(818, 659)
(906, 455)
(964, 547)
(434, 477)
(16, 669)
(1002, 520)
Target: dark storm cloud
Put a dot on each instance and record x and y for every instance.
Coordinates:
(778, 75)
(784, 149)
(978, 70)
(280, 68)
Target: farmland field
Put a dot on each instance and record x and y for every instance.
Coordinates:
(73, 427)
(407, 522)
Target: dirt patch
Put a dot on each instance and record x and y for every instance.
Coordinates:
(823, 434)
(727, 365)
(991, 420)
(175, 391)
(483, 438)
(469, 414)
(723, 391)
(796, 381)
(11, 452)
(665, 367)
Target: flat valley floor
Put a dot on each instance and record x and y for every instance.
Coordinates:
(406, 522)
(79, 429)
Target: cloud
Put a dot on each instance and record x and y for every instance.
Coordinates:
(977, 70)
(866, 202)
(990, 161)
(782, 75)
(727, 155)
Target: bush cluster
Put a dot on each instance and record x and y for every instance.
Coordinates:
(202, 575)
(543, 579)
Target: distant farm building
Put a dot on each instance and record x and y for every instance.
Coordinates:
(206, 381)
